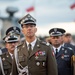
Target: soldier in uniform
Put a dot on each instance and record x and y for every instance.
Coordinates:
(11, 40)
(10, 30)
(63, 54)
(33, 57)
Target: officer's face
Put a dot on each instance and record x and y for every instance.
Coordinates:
(29, 30)
(67, 39)
(56, 40)
(11, 46)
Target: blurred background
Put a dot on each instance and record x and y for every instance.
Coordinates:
(48, 13)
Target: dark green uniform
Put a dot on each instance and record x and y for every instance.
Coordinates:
(7, 63)
(40, 62)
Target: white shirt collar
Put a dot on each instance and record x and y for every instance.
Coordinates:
(32, 43)
(56, 48)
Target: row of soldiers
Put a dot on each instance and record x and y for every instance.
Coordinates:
(33, 56)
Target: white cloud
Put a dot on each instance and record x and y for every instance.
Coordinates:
(68, 26)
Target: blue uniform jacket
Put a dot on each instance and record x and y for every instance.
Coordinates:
(64, 61)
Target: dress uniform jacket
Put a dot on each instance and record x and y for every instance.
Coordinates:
(40, 62)
(64, 61)
(7, 63)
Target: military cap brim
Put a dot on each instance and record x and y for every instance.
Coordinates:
(12, 38)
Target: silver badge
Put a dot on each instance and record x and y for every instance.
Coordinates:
(65, 51)
(36, 57)
(43, 63)
(3, 59)
(62, 48)
(38, 46)
(37, 63)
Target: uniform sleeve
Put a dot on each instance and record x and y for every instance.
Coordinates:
(51, 63)
(14, 67)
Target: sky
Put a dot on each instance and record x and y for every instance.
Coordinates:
(48, 13)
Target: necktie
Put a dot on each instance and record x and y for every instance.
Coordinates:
(30, 49)
(56, 52)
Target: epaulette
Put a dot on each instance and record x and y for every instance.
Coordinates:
(20, 44)
(45, 43)
(68, 48)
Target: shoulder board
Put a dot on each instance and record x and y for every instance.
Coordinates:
(45, 43)
(68, 48)
(20, 44)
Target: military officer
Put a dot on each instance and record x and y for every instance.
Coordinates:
(63, 54)
(11, 40)
(10, 30)
(34, 56)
